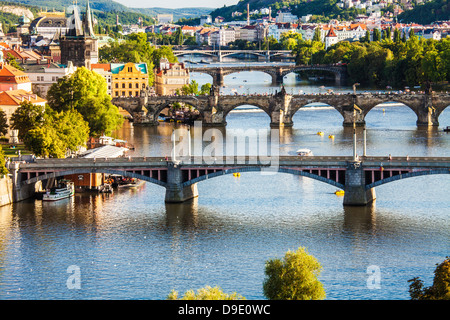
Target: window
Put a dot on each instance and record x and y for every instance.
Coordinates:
(117, 86)
(123, 85)
(130, 85)
(130, 69)
(117, 93)
(137, 85)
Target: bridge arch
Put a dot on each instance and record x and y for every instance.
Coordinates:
(371, 112)
(407, 175)
(123, 173)
(259, 169)
(257, 54)
(200, 52)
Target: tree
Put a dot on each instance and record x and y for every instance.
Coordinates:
(317, 35)
(26, 117)
(59, 133)
(85, 91)
(3, 170)
(3, 123)
(179, 37)
(440, 290)
(206, 293)
(376, 35)
(294, 277)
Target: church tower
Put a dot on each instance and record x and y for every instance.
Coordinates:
(79, 44)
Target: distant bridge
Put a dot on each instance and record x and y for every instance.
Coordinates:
(276, 72)
(220, 54)
(357, 178)
(281, 107)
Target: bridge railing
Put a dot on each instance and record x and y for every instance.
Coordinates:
(371, 161)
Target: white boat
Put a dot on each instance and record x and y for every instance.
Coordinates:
(62, 191)
(304, 152)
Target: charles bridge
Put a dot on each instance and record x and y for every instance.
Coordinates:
(281, 107)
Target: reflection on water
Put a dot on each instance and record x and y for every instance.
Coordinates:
(130, 245)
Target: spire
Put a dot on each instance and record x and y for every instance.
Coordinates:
(87, 23)
(75, 24)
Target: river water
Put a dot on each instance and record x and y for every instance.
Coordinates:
(131, 245)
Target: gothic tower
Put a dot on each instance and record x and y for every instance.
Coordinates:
(79, 44)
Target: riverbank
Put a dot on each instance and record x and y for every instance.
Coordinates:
(6, 191)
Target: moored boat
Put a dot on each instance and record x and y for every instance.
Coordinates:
(304, 152)
(62, 191)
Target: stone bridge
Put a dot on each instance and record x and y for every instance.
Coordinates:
(180, 177)
(276, 72)
(281, 107)
(220, 54)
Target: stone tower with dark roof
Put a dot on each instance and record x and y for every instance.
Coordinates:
(79, 44)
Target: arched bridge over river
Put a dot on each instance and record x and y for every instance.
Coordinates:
(357, 178)
(281, 107)
(276, 72)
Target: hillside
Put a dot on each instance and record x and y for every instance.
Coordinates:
(435, 10)
(108, 6)
(326, 9)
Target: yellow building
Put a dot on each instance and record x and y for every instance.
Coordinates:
(128, 79)
(170, 77)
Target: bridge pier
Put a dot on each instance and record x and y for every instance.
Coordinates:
(20, 191)
(175, 191)
(355, 190)
(144, 119)
(427, 116)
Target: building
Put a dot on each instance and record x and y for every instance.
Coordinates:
(170, 77)
(44, 74)
(47, 24)
(79, 43)
(248, 33)
(164, 18)
(10, 100)
(128, 79)
(104, 69)
(285, 16)
(223, 37)
(12, 78)
(205, 19)
(331, 38)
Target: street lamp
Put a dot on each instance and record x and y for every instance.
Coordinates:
(355, 107)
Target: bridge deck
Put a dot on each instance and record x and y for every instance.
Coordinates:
(321, 161)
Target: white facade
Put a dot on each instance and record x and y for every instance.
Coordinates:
(223, 37)
(45, 77)
(285, 17)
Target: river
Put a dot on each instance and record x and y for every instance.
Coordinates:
(131, 245)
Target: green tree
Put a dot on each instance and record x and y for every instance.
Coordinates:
(179, 37)
(440, 290)
(3, 123)
(376, 35)
(166, 52)
(59, 133)
(3, 170)
(295, 277)
(317, 35)
(207, 293)
(85, 91)
(26, 117)
(12, 61)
